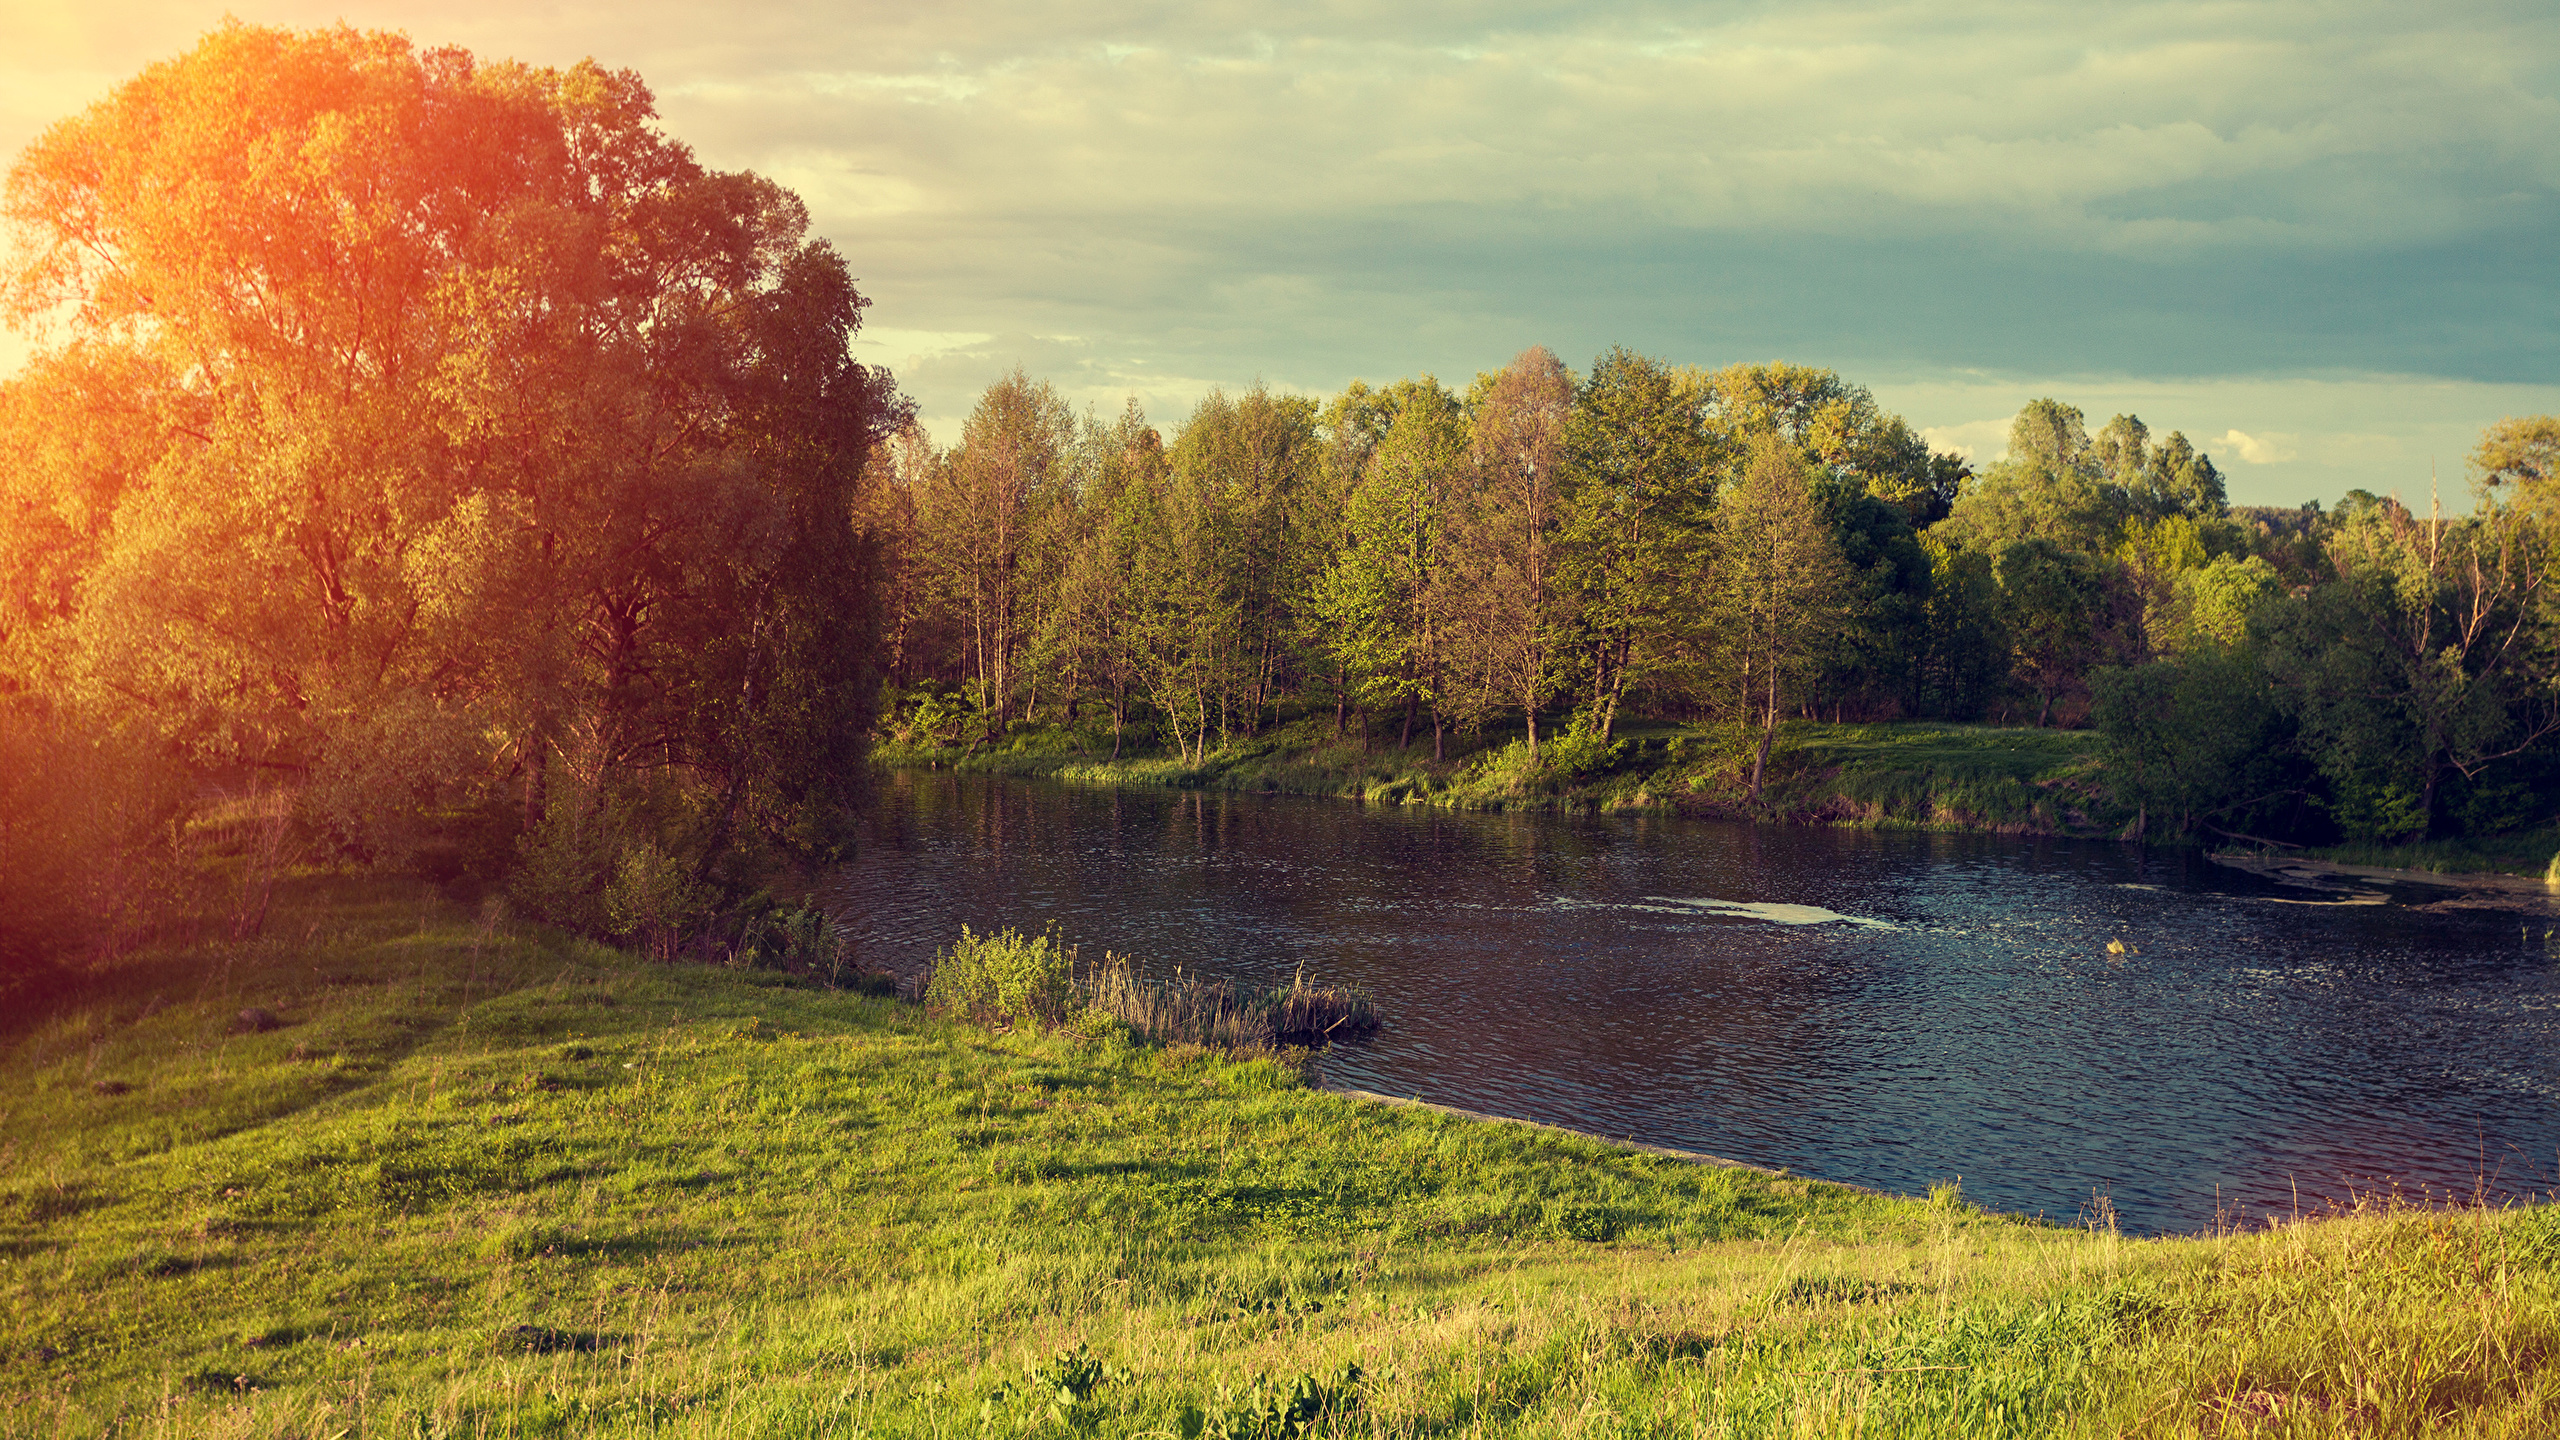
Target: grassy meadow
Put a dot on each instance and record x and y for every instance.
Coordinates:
(479, 1180)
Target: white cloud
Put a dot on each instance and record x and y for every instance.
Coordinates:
(1979, 441)
(2268, 449)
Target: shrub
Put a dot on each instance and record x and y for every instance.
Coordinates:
(654, 900)
(1005, 977)
(777, 936)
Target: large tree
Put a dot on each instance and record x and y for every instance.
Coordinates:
(1383, 601)
(445, 423)
(2049, 487)
(1502, 565)
(982, 516)
(1640, 470)
(1779, 585)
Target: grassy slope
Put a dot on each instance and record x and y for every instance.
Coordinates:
(1909, 775)
(485, 1183)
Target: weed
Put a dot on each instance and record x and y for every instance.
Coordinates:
(1062, 1388)
(1199, 1011)
(1261, 1410)
(1004, 978)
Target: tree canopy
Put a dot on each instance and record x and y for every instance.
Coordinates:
(424, 428)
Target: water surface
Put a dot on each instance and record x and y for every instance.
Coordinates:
(1883, 1008)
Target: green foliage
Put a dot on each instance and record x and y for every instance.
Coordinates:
(2213, 605)
(1965, 661)
(533, 469)
(2049, 601)
(1640, 470)
(1061, 1388)
(2191, 739)
(1005, 978)
(655, 901)
(1261, 1410)
(94, 850)
(2418, 665)
(772, 935)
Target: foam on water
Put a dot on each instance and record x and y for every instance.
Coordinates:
(1771, 911)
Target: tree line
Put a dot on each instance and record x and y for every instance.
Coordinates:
(1547, 553)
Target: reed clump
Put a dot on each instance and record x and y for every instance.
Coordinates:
(1193, 1009)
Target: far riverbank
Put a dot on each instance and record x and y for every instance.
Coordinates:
(1965, 779)
(1906, 776)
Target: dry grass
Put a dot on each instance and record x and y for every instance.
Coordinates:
(1191, 1009)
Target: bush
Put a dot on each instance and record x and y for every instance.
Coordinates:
(799, 938)
(1006, 977)
(654, 900)
(95, 854)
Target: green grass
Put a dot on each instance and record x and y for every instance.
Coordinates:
(1904, 775)
(1955, 777)
(2534, 854)
(487, 1182)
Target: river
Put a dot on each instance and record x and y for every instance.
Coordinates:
(1884, 1008)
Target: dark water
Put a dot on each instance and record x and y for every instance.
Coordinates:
(1963, 1018)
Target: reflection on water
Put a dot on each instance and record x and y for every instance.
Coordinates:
(1887, 1009)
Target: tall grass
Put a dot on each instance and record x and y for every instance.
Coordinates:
(1189, 1009)
(1008, 978)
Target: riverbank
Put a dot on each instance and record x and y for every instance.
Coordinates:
(2441, 889)
(1992, 779)
(2530, 856)
(463, 1176)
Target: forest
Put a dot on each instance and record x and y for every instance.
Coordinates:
(1549, 553)
(431, 464)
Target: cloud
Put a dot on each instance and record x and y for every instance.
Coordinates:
(1200, 194)
(2268, 449)
(1979, 441)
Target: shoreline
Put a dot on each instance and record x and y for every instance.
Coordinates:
(1939, 778)
(2473, 889)
(1821, 794)
(1694, 1157)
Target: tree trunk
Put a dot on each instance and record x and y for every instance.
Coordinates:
(1411, 701)
(1533, 734)
(536, 793)
(1439, 731)
(1768, 733)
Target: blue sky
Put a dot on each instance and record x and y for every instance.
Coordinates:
(2319, 239)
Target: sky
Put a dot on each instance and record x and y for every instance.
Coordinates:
(2322, 240)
